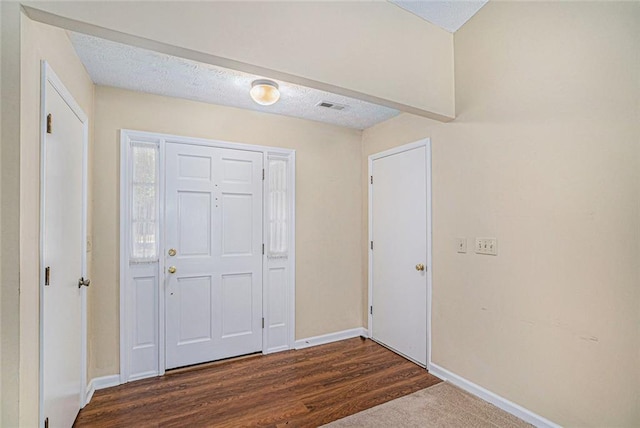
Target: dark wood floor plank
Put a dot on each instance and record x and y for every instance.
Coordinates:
(303, 388)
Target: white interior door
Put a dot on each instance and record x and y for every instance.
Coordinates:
(213, 253)
(63, 250)
(399, 234)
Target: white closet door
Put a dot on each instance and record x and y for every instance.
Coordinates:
(399, 226)
(63, 247)
(213, 253)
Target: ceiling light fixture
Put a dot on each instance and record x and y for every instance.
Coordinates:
(264, 92)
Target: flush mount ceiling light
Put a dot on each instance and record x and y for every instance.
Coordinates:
(264, 92)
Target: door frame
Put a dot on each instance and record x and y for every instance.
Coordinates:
(47, 75)
(126, 136)
(426, 143)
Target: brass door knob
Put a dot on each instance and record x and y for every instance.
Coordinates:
(172, 269)
(420, 267)
(172, 252)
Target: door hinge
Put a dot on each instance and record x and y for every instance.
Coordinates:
(47, 275)
(49, 123)
(46, 422)
(262, 174)
(372, 179)
(372, 245)
(262, 322)
(371, 310)
(263, 249)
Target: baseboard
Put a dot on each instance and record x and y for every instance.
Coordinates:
(331, 337)
(498, 401)
(100, 383)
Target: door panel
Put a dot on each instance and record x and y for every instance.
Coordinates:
(237, 227)
(194, 223)
(63, 247)
(236, 171)
(237, 300)
(399, 220)
(214, 221)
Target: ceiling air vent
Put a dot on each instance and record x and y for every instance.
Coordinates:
(332, 106)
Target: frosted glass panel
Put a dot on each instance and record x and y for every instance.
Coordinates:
(278, 209)
(144, 202)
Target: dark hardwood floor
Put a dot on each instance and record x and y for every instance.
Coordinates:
(304, 388)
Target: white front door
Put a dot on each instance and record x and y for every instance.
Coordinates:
(63, 261)
(399, 234)
(213, 253)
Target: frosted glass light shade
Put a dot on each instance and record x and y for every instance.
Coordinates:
(264, 92)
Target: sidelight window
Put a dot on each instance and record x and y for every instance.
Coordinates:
(278, 209)
(144, 202)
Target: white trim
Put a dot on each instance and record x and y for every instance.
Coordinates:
(98, 383)
(331, 337)
(48, 75)
(290, 262)
(426, 143)
(429, 248)
(498, 401)
(41, 266)
(292, 253)
(169, 138)
(161, 259)
(123, 253)
(125, 249)
(126, 135)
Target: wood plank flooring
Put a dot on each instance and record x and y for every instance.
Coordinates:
(304, 388)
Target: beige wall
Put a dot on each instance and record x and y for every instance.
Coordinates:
(328, 204)
(1, 331)
(38, 42)
(9, 213)
(372, 48)
(544, 156)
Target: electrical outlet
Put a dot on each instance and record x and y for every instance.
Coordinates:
(462, 245)
(486, 246)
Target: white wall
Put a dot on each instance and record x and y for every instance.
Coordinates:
(544, 156)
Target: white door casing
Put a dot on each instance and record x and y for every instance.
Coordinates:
(63, 254)
(214, 224)
(143, 319)
(399, 222)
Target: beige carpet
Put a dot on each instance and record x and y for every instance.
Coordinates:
(442, 405)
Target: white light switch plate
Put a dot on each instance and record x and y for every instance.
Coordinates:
(462, 245)
(486, 246)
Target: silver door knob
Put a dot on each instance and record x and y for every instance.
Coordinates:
(420, 267)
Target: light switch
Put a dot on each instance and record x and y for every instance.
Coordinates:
(462, 245)
(486, 246)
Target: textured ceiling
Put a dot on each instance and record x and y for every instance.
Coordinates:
(123, 66)
(450, 15)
